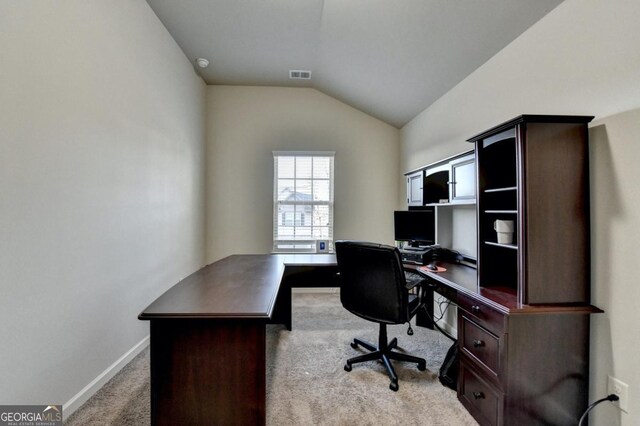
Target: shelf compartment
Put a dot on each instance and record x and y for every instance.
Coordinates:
(436, 186)
(488, 234)
(499, 199)
(499, 267)
(497, 163)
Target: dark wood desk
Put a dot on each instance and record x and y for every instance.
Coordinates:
(208, 343)
(519, 364)
(208, 336)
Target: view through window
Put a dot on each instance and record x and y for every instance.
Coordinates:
(303, 200)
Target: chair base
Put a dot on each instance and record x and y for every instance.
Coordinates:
(384, 352)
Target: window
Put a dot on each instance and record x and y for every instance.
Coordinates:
(302, 200)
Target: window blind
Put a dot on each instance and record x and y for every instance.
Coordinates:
(302, 200)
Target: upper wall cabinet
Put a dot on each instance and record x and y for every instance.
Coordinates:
(415, 188)
(449, 181)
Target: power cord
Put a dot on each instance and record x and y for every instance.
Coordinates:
(446, 303)
(435, 324)
(612, 397)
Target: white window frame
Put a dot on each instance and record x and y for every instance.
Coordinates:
(309, 245)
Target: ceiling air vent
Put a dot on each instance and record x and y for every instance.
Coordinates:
(299, 75)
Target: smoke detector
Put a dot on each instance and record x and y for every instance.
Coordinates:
(299, 75)
(202, 62)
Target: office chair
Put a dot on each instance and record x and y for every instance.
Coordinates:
(373, 287)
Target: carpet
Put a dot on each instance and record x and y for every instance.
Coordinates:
(305, 380)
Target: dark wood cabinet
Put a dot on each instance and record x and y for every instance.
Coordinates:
(533, 171)
(523, 314)
(525, 365)
(524, 332)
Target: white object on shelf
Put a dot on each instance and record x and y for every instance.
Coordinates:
(504, 228)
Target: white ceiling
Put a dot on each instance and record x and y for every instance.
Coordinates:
(390, 59)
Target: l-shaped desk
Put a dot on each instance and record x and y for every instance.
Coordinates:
(208, 343)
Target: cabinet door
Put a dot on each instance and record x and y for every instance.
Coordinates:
(414, 188)
(463, 179)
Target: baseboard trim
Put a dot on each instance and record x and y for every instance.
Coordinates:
(88, 391)
(331, 290)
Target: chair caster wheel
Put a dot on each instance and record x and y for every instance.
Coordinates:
(354, 345)
(422, 367)
(394, 387)
(347, 367)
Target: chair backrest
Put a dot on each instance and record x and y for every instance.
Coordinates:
(372, 281)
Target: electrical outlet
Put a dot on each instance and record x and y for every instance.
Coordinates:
(619, 388)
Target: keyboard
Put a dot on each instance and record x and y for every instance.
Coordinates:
(413, 279)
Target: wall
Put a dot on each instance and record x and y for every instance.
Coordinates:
(615, 232)
(244, 126)
(579, 59)
(101, 183)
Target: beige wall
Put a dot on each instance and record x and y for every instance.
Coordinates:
(579, 59)
(582, 58)
(244, 126)
(615, 232)
(101, 187)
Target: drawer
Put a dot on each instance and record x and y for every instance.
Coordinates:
(482, 314)
(483, 401)
(480, 344)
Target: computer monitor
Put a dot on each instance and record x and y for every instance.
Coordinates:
(418, 227)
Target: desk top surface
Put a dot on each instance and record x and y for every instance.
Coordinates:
(463, 279)
(238, 286)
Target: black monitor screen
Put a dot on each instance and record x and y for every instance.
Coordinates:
(418, 226)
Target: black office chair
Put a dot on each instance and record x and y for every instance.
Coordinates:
(373, 286)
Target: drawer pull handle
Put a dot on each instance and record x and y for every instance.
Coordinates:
(478, 343)
(478, 395)
(475, 309)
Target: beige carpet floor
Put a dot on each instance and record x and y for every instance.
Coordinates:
(306, 383)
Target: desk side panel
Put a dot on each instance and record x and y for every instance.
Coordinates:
(207, 372)
(548, 364)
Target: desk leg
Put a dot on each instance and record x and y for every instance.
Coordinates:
(282, 309)
(207, 372)
(422, 318)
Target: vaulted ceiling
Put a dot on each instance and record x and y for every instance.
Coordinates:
(388, 58)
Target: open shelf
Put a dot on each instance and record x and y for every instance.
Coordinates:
(510, 246)
(457, 203)
(499, 267)
(501, 211)
(509, 188)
